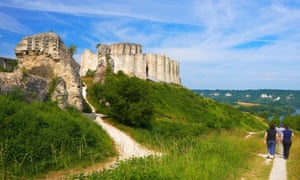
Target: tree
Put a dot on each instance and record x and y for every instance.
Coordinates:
(72, 49)
(128, 99)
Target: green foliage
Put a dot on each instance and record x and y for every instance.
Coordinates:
(72, 49)
(98, 45)
(85, 107)
(267, 111)
(90, 73)
(180, 104)
(127, 99)
(108, 70)
(129, 96)
(39, 137)
(52, 86)
(275, 120)
(7, 65)
(24, 71)
(293, 121)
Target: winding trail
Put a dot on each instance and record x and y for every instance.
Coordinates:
(127, 148)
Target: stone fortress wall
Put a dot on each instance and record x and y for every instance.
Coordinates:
(45, 55)
(128, 57)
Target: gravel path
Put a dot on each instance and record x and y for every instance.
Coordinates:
(278, 171)
(126, 146)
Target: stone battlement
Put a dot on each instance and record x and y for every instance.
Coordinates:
(128, 57)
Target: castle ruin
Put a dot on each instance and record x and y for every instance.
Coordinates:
(45, 55)
(128, 57)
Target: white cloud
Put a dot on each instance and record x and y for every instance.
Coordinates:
(203, 35)
(11, 24)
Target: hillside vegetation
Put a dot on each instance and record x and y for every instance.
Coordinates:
(166, 103)
(200, 138)
(40, 137)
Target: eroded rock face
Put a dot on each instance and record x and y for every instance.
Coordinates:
(34, 87)
(45, 55)
(128, 57)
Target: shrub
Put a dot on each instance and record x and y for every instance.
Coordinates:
(127, 99)
(90, 73)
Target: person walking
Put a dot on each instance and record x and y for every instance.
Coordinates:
(270, 139)
(280, 145)
(287, 141)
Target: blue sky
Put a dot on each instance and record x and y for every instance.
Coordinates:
(220, 44)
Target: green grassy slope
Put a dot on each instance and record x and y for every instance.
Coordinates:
(182, 105)
(39, 137)
(176, 104)
(201, 138)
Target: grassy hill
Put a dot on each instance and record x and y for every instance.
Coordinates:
(39, 137)
(176, 105)
(201, 138)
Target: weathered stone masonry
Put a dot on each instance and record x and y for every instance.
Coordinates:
(45, 55)
(128, 57)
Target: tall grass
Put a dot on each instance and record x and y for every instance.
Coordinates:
(212, 156)
(293, 163)
(39, 137)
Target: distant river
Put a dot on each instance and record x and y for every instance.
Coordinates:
(297, 111)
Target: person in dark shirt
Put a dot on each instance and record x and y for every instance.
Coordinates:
(270, 139)
(287, 141)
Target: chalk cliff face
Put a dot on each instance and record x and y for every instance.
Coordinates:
(45, 55)
(129, 58)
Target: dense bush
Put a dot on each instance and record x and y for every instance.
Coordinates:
(39, 137)
(293, 121)
(127, 99)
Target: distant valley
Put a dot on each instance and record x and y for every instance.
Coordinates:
(266, 102)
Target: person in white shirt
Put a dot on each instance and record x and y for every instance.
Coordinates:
(280, 145)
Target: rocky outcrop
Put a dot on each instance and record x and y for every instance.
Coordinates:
(128, 57)
(45, 55)
(34, 87)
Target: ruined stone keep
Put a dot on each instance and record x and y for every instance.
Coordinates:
(45, 55)
(128, 57)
